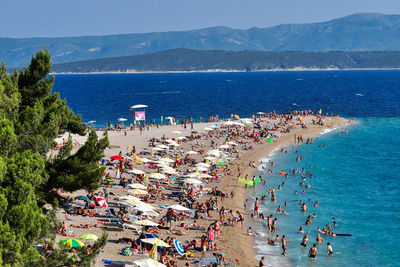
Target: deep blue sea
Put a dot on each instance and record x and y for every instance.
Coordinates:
(358, 176)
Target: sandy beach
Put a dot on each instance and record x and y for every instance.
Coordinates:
(234, 241)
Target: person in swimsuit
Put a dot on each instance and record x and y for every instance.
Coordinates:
(304, 242)
(283, 245)
(329, 249)
(261, 263)
(313, 252)
(256, 207)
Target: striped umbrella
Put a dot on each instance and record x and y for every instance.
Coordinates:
(71, 243)
(179, 247)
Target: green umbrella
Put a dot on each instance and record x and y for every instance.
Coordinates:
(221, 163)
(270, 140)
(71, 243)
(84, 198)
(89, 237)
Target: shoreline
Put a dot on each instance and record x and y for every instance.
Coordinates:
(222, 71)
(247, 243)
(282, 260)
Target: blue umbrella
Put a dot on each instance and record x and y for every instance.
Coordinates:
(179, 247)
(84, 198)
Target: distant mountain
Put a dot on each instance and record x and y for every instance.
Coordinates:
(359, 32)
(211, 60)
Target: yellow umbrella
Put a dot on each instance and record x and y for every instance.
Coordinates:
(71, 243)
(137, 186)
(89, 237)
(153, 253)
(155, 241)
(138, 192)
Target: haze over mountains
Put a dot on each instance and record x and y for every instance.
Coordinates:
(358, 32)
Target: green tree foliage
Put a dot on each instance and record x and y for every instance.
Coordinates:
(31, 117)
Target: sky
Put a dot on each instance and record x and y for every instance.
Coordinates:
(59, 18)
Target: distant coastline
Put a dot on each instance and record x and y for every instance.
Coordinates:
(220, 71)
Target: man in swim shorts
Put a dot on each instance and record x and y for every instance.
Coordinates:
(330, 249)
(313, 252)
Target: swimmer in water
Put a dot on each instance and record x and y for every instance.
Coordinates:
(304, 241)
(313, 252)
(301, 230)
(329, 249)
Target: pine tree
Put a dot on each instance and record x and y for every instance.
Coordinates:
(31, 118)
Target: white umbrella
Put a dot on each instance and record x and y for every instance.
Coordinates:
(137, 186)
(136, 171)
(167, 160)
(232, 143)
(214, 152)
(192, 181)
(191, 152)
(145, 160)
(181, 138)
(137, 192)
(201, 169)
(203, 165)
(156, 175)
(194, 175)
(224, 146)
(147, 262)
(208, 129)
(179, 207)
(204, 175)
(131, 198)
(162, 146)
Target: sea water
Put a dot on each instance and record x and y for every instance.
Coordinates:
(357, 182)
(107, 97)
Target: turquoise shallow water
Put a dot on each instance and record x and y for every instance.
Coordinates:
(357, 181)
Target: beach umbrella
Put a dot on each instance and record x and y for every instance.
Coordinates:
(181, 138)
(191, 181)
(71, 243)
(136, 171)
(157, 149)
(137, 192)
(179, 247)
(101, 201)
(204, 175)
(145, 223)
(214, 152)
(270, 140)
(177, 132)
(153, 253)
(221, 163)
(191, 152)
(147, 262)
(203, 165)
(236, 116)
(162, 146)
(144, 160)
(167, 160)
(84, 198)
(224, 146)
(156, 175)
(210, 158)
(179, 207)
(151, 213)
(133, 198)
(116, 157)
(137, 186)
(208, 129)
(201, 169)
(89, 237)
(194, 175)
(155, 241)
(232, 143)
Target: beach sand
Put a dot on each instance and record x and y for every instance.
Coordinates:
(234, 241)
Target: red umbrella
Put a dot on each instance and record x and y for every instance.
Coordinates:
(116, 157)
(101, 201)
